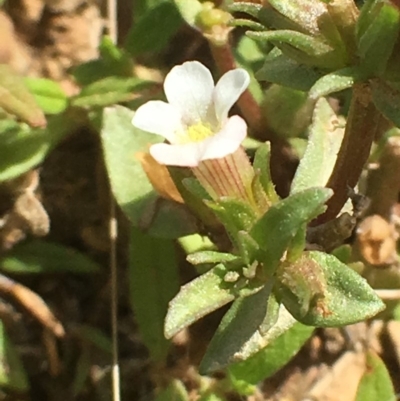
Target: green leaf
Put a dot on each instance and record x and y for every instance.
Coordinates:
(154, 30)
(376, 383)
(276, 229)
(198, 298)
(251, 9)
(319, 290)
(303, 48)
(48, 94)
(293, 119)
(22, 148)
(333, 82)
(387, 100)
(323, 145)
(132, 190)
(210, 257)
(109, 91)
(12, 372)
(113, 61)
(261, 166)
(95, 336)
(283, 70)
(212, 397)
(153, 281)
(238, 336)
(247, 374)
(189, 9)
(175, 391)
(376, 44)
(36, 256)
(16, 99)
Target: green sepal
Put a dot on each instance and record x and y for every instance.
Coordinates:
(319, 290)
(261, 167)
(247, 247)
(234, 214)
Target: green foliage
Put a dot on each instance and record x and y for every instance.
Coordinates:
(274, 231)
(12, 373)
(153, 278)
(376, 383)
(319, 290)
(121, 144)
(323, 145)
(154, 29)
(48, 94)
(44, 257)
(16, 99)
(247, 374)
(22, 148)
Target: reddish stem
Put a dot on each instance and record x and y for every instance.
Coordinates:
(361, 128)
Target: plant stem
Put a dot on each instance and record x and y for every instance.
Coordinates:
(361, 128)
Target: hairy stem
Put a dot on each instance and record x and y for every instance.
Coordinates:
(361, 128)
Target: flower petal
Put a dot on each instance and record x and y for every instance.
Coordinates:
(160, 118)
(189, 87)
(228, 90)
(187, 155)
(227, 141)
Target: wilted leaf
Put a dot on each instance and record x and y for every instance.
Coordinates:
(153, 282)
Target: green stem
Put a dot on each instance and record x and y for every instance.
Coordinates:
(361, 128)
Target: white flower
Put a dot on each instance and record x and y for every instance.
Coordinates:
(195, 120)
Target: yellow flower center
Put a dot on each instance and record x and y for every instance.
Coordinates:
(198, 132)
